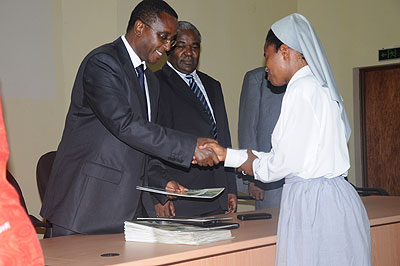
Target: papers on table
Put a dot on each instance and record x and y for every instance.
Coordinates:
(172, 233)
(206, 193)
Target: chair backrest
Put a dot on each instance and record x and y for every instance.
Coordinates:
(14, 183)
(43, 170)
(38, 224)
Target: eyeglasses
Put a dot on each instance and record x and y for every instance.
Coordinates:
(161, 35)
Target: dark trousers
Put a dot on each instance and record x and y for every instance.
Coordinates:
(57, 230)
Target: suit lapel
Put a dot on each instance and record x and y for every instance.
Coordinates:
(209, 90)
(210, 93)
(181, 87)
(154, 93)
(135, 92)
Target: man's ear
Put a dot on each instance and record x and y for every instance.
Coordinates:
(138, 28)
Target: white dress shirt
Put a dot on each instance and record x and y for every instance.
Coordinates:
(309, 138)
(137, 62)
(199, 83)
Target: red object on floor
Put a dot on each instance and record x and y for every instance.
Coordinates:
(19, 244)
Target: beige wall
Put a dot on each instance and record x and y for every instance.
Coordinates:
(233, 35)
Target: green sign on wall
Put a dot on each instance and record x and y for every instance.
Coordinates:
(386, 54)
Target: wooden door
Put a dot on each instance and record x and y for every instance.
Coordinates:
(380, 127)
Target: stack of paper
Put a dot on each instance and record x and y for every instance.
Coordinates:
(172, 233)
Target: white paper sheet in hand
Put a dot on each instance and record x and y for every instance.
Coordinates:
(207, 193)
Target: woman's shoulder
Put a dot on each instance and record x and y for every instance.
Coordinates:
(306, 84)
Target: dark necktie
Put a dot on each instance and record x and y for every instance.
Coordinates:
(140, 73)
(199, 95)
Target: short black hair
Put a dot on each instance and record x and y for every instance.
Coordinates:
(148, 11)
(273, 40)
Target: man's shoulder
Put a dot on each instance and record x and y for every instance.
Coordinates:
(259, 71)
(204, 76)
(108, 49)
(163, 73)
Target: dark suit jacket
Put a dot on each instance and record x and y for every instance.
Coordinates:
(181, 110)
(104, 150)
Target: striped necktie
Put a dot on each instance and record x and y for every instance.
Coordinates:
(199, 95)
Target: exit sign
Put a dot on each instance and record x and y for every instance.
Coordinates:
(386, 54)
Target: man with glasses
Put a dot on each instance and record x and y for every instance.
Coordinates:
(109, 131)
(192, 102)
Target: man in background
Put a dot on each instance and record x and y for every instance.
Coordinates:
(260, 106)
(109, 131)
(192, 102)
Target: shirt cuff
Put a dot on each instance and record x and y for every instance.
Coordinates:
(235, 158)
(256, 165)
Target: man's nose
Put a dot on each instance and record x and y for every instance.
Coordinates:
(188, 50)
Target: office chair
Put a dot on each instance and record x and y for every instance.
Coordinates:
(369, 191)
(39, 225)
(43, 170)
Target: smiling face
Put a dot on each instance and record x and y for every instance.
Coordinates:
(185, 55)
(151, 40)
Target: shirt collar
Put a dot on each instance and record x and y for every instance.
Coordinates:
(134, 57)
(304, 71)
(183, 75)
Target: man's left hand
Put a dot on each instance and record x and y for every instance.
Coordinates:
(166, 211)
(174, 187)
(232, 203)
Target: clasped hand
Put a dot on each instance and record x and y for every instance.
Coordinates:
(203, 154)
(220, 152)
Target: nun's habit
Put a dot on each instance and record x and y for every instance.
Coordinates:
(322, 219)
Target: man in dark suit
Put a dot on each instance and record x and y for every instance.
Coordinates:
(260, 106)
(192, 102)
(108, 135)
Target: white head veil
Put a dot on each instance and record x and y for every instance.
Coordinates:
(296, 32)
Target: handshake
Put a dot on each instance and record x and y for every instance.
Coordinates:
(208, 152)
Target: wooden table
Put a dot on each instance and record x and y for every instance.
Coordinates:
(253, 244)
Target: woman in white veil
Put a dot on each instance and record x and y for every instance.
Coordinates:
(322, 219)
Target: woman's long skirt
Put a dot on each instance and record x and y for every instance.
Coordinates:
(322, 222)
